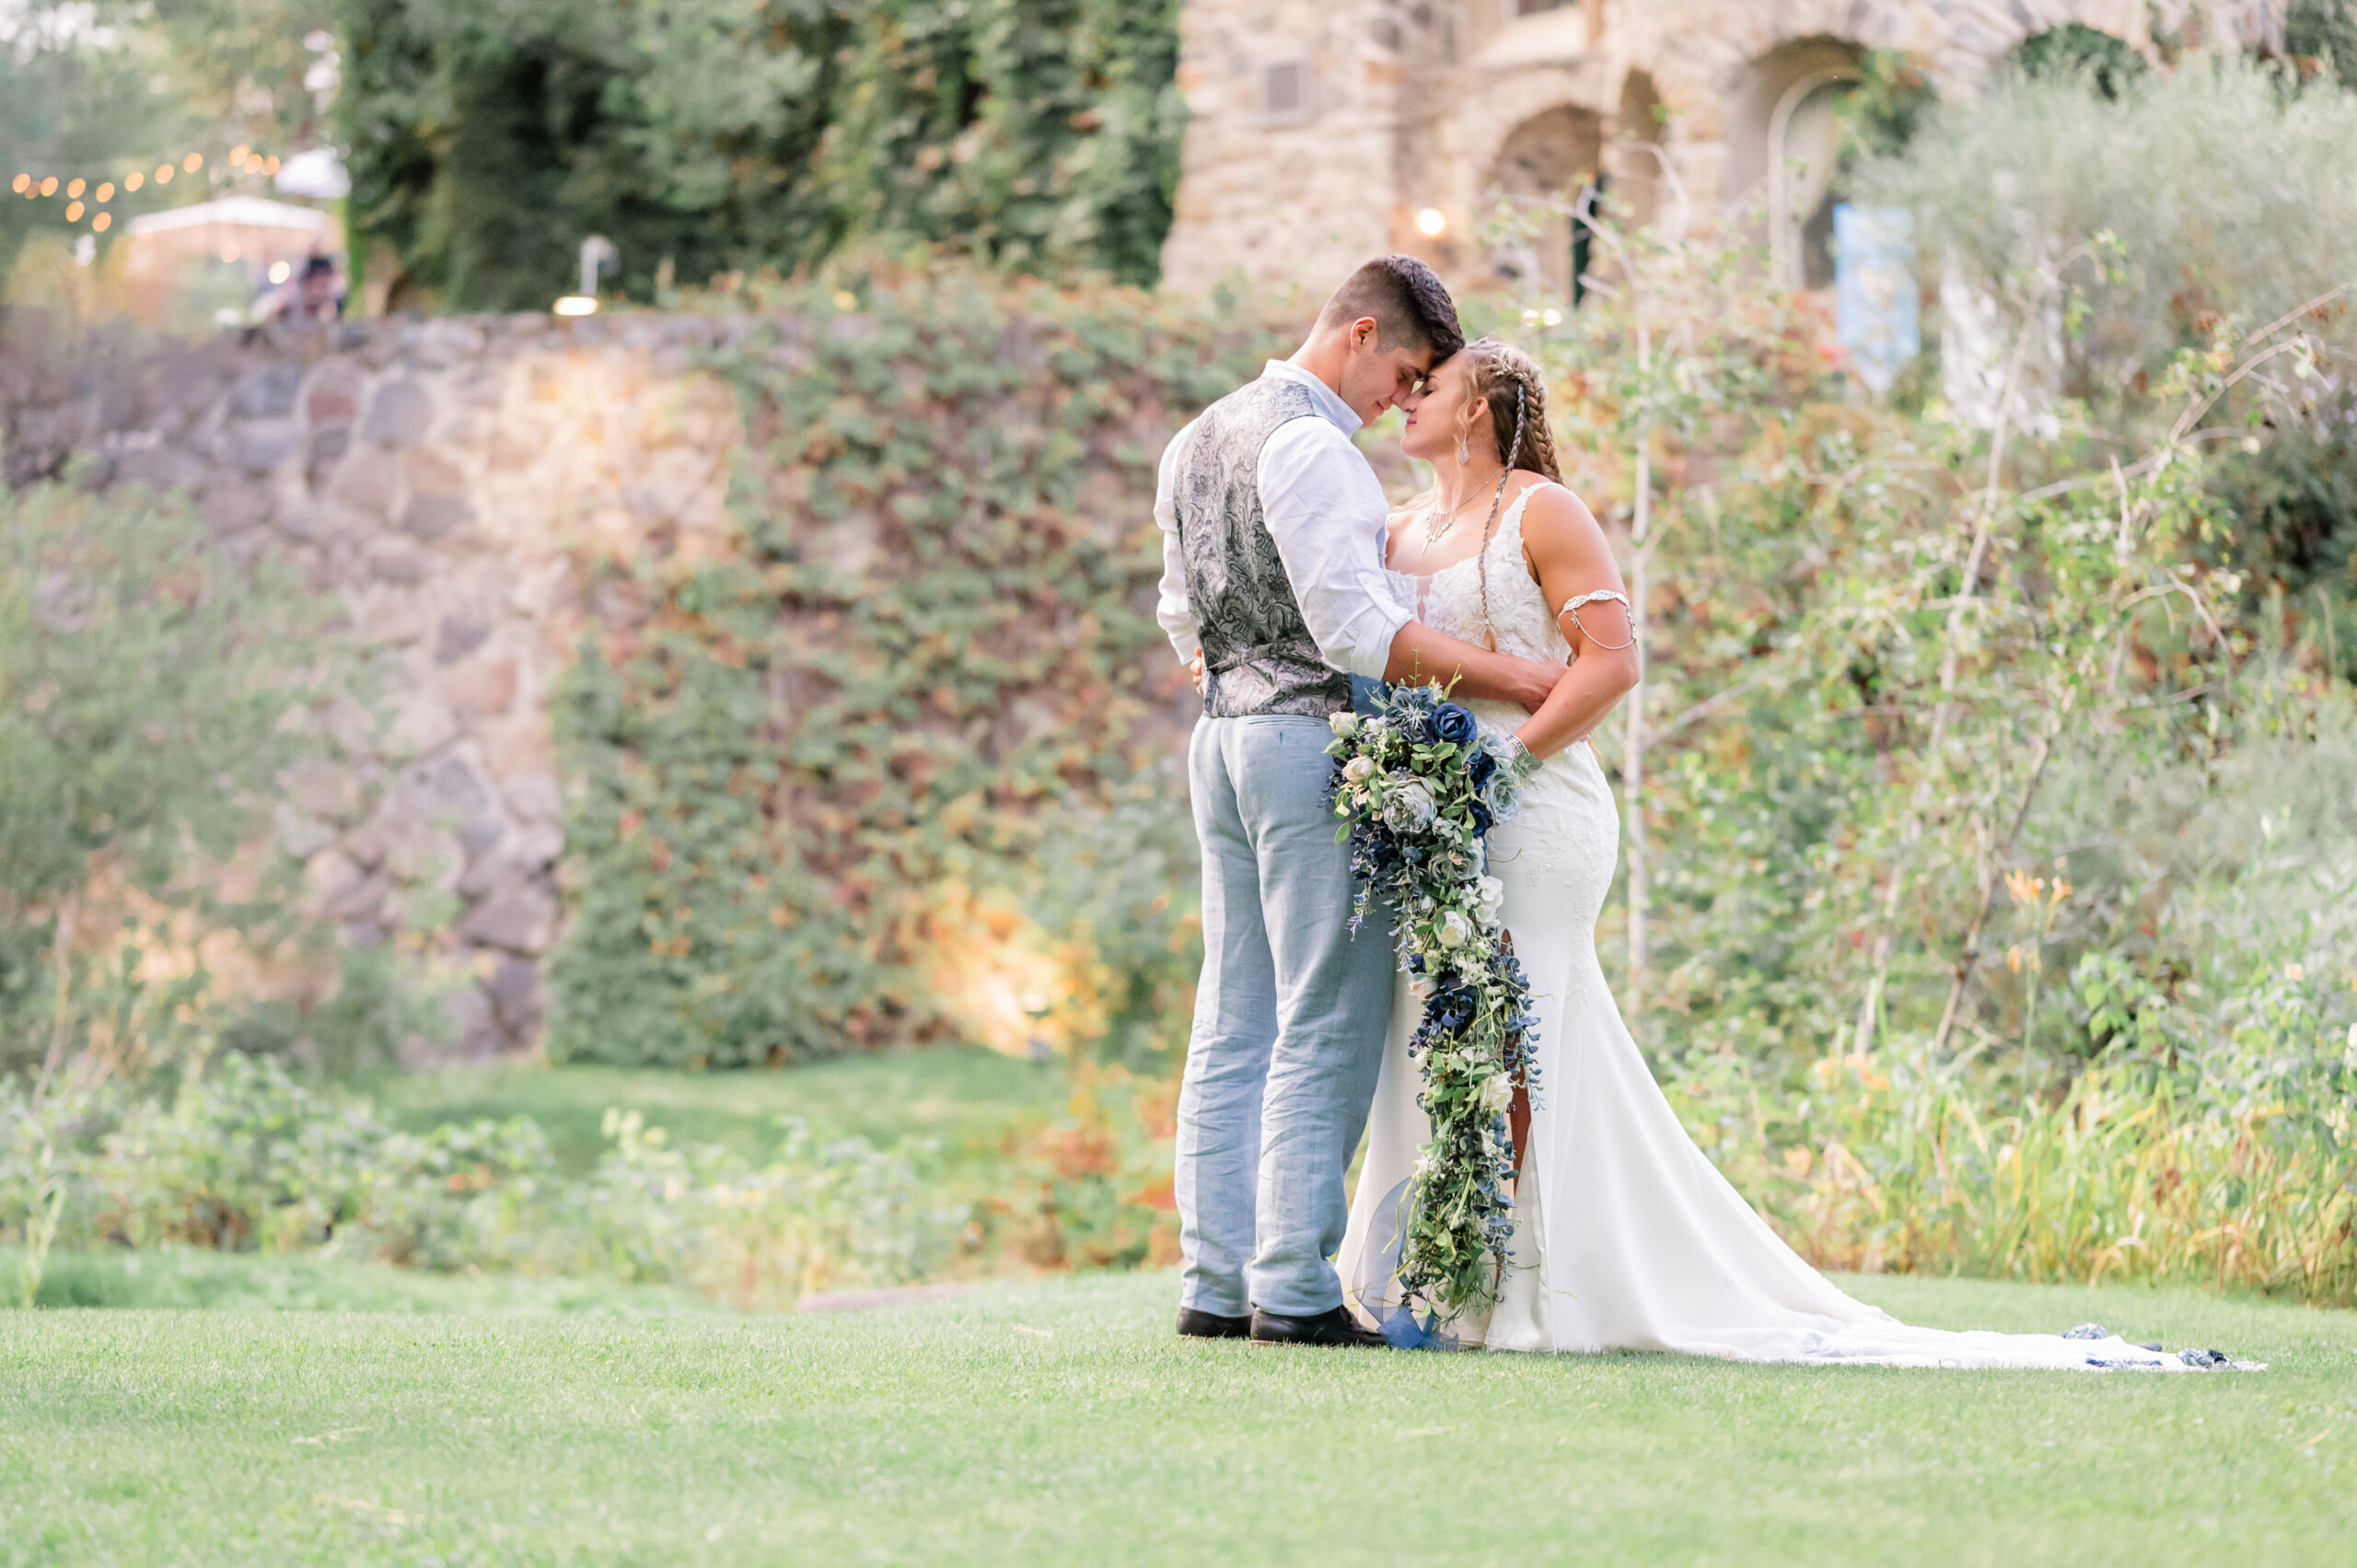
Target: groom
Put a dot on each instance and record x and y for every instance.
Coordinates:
(1274, 589)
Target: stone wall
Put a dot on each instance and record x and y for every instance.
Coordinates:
(442, 481)
(1401, 105)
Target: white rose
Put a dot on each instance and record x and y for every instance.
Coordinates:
(1410, 806)
(1454, 929)
(1497, 1092)
(1358, 769)
(1346, 723)
(1489, 899)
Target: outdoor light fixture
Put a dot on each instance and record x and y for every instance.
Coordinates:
(597, 255)
(1432, 223)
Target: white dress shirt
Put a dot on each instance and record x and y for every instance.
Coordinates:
(1326, 511)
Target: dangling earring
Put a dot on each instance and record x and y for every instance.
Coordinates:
(1463, 452)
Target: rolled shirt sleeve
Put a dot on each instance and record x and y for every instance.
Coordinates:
(1172, 609)
(1326, 510)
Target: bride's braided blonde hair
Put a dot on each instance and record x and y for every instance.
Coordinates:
(1510, 382)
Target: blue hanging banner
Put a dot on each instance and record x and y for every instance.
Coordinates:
(1877, 310)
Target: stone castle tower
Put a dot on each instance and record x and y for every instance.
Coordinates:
(1323, 131)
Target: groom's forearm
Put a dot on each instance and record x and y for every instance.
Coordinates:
(1420, 654)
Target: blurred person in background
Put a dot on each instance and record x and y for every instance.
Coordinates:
(315, 294)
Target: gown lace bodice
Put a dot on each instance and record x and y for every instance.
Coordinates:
(1568, 825)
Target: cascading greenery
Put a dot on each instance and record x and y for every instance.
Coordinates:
(727, 136)
(925, 670)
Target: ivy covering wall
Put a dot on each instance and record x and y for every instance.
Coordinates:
(896, 765)
(725, 135)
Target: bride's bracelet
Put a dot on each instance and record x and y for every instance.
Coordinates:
(1520, 758)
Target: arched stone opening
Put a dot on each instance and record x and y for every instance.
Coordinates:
(1632, 171)
(1784, 150)
(1547, 160)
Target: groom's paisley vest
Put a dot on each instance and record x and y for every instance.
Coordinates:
(1259, 656)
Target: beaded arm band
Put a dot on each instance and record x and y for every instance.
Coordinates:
(1572, 609)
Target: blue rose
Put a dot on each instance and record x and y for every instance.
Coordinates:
(1454, 725)
(1481, 765)
(1502, 795)
(1482, 821)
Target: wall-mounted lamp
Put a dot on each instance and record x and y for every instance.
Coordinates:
(597, 255)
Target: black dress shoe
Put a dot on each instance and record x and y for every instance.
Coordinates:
(1334, 1328)
(1194, 1325)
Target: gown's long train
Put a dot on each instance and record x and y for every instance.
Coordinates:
(1627, 1236)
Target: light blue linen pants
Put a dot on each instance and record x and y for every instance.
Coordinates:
(1289, 1025)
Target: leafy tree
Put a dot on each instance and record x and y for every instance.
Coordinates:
(77, 97)
(2109, 64)
(726, 135)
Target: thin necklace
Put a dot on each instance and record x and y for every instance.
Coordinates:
(1433, 535)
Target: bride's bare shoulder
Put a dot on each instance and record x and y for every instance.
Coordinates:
(1558, 530)
(1555, 509)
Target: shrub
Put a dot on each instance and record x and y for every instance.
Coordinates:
(246, 1157)
(2225, 198)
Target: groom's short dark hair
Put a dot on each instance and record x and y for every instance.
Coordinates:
(1411, 307)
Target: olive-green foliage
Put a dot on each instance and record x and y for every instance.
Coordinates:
(2228, 203)
(2323, 33)
(927, 666)
(148, 714)
(245, 1157)
(1881, 114)
(722, 135)
(2110, 65)
(143, 693)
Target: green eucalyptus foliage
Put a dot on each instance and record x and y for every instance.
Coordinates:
(925, 673)
(733, 136)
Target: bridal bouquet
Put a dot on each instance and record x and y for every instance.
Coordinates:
(1420, 784)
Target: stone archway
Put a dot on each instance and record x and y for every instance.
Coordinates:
(1550, 157)
(1784, 141)
(1632, 163)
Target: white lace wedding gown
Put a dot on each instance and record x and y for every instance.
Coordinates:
(1626, 1236)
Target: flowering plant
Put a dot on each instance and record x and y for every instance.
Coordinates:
(1420, 784)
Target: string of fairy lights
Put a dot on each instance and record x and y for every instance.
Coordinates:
(87, 197)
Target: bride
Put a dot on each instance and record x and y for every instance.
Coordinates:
(1626, 1236)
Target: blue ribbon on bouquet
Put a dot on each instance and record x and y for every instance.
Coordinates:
(1378, 1294)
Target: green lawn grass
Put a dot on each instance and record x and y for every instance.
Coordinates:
(184, 1278)
(1062, 1422)
(963, 1100)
